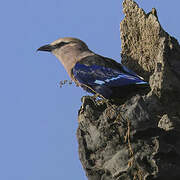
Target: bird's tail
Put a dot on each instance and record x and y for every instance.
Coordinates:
(142, 87)
(130, 90)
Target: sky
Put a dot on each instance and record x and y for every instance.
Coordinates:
(38, 119)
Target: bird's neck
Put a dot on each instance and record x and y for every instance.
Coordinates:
(70, 55)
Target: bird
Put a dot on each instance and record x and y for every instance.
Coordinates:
(94, 73)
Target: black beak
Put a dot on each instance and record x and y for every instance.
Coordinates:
(47, 47)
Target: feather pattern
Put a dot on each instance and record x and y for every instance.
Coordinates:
(104, 79)
(95, 73)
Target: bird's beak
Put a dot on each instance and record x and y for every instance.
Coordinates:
(47, 47)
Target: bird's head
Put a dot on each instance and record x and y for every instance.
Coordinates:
(67, 50)
(61, 43)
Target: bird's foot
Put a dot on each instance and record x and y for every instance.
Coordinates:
(87, 100)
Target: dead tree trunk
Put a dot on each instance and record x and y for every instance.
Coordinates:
(140, 138)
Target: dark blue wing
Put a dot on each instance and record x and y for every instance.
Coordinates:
(100, 75)
(103, 79)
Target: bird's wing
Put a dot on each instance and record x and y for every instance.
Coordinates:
(94, 75)
(96, 59)
(106, 62)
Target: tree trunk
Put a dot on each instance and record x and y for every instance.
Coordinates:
(139, 138)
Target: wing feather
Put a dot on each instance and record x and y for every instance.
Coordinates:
(100, 75)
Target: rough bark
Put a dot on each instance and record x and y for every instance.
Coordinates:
(138, 139)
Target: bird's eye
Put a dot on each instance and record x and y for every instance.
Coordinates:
(59, 45)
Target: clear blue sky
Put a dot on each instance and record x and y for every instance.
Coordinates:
(38, 120)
